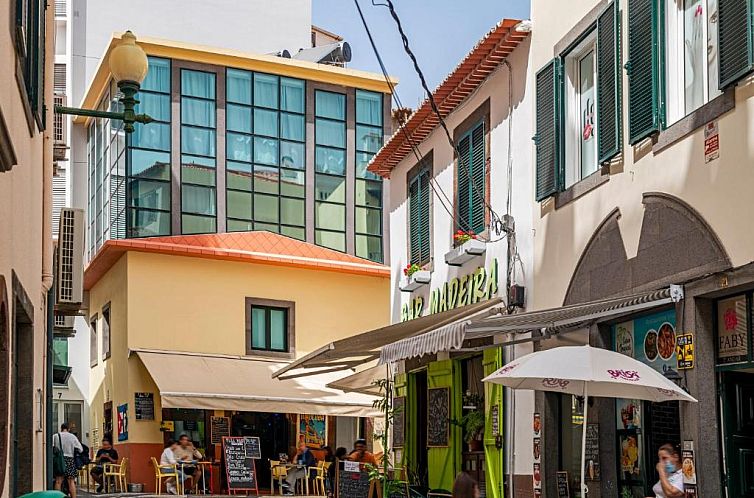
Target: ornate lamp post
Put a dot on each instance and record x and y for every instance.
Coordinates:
(128, 65)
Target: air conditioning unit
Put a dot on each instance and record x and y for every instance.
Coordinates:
(69, 287)
(64, 326)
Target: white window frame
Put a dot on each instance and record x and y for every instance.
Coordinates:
(573, 173)
(675, 93)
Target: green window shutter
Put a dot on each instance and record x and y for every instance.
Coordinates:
(644, 76)
(608, 80)
(418, 192)
(735, 41)
(464, 166)
(547, 139)
(478, 175)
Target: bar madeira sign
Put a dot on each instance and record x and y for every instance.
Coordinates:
(477, 286)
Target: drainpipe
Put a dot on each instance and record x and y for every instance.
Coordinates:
(50, 430)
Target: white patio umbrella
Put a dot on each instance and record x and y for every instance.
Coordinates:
(587, 371)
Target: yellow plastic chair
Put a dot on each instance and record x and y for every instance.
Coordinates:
(117, 473)
(320, 478)
(279, 473)
(166, 472)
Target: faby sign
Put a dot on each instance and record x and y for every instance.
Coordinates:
(460, 291)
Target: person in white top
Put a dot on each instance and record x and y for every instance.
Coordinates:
(670, 484)
(167, 460)
(69, 444)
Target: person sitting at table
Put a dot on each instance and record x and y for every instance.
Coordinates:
(167, 460)
(360, 453)
(340, 454)
(186, 454)
(305, 460)
(106, 454)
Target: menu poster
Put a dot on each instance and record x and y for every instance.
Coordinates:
(219, 428)
(399, 408)
(351, 481)
(563, 491)
(592, 452)
(438, 413)
(240, 471)
(252, 448)
(144, 406)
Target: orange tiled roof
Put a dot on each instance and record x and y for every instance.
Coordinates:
(251, 247)
(483, 59)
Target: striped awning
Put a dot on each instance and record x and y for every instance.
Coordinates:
(545, 322)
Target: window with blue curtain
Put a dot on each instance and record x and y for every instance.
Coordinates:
(198, 152)
(330, 169)
(147, 168)
(265, 160)
(368, 192)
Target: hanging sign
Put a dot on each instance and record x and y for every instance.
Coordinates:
(732, 330)
(219, 428)
(685, 351)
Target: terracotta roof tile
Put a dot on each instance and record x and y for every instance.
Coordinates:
(254, 247)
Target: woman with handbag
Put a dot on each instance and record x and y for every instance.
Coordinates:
(65, 446)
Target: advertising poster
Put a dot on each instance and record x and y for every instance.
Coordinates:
(732, 330)
(123, 422)
(312, 430)
(629, 456)
(628, 412)
(650, 339)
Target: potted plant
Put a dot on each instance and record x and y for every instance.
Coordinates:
(473, 420)
(415, 277)
(467, 246)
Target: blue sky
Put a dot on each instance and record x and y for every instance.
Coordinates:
(434, 32)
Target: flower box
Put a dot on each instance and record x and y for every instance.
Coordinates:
(465, 252)
(415, 280)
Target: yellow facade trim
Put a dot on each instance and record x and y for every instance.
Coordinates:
(233, 58)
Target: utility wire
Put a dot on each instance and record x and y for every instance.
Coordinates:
(414, 148)
(436, 110)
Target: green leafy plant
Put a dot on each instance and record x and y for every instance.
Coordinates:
(410, 269)
(473, 420)
(384, 403)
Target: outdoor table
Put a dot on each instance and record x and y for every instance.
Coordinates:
(288, 466)
(203, 464)
(196, 463)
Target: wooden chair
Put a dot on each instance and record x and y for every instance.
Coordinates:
(320, 478)
(279, 473)
(165, 472)
(117, 473)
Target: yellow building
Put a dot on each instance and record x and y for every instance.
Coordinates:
(26, 164)
(187, 328)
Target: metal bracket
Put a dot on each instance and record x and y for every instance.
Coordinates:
(676, 293)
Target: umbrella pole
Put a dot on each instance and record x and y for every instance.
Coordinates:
(583, 441)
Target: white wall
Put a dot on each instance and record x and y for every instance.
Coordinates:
(496, 89)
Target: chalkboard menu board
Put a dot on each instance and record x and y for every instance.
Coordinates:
(563, 491)
(351, 484)
(219, 428)
(592, 470)
(253, 450)
(399, 422)
(438, 411)
(144, 406)
(239, 466)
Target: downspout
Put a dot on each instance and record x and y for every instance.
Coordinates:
(48, 387)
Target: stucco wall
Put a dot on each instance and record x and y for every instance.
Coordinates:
(718, 191)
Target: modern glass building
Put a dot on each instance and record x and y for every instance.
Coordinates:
(241, 143)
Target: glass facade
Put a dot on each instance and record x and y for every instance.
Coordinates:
(368, 193)
(265, 153)
(148, 168)
(163, 178)
(330, 169)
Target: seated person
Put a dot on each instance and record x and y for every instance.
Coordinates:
(186, 453)
(304, 458)
(106, 454)
(167, 460)
(360, 453)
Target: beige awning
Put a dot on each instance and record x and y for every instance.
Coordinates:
(361, 382)
(216, 382)
(354, 351)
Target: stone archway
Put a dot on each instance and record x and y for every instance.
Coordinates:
(675, 245)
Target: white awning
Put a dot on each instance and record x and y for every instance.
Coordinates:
(445, 338)
(216, 382)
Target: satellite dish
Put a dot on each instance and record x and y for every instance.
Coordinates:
(346, 51)
(285, 54)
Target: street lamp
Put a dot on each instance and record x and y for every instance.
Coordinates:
(128, 65)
